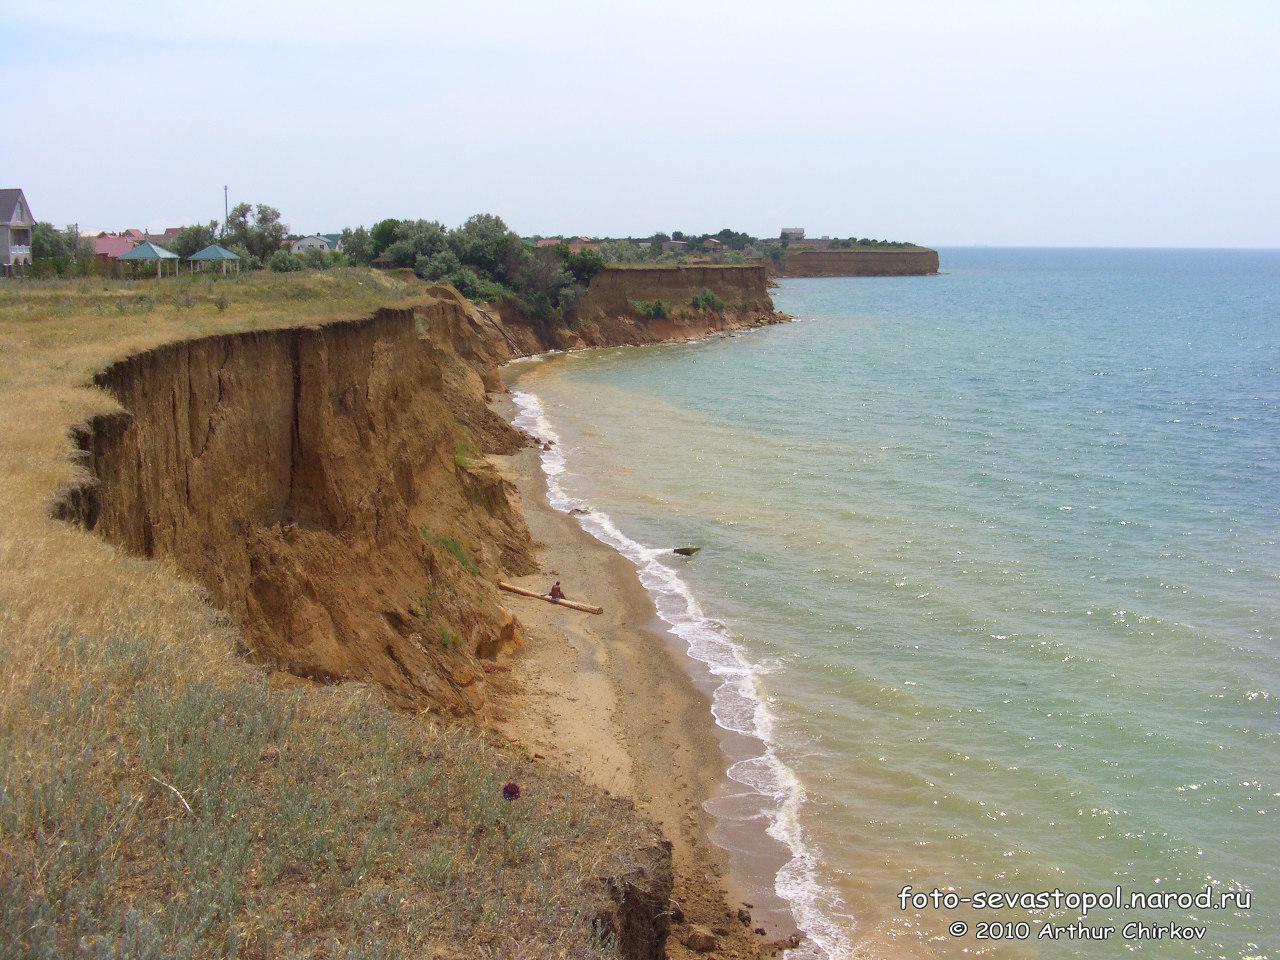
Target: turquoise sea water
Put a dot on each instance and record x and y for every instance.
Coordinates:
(990, 573)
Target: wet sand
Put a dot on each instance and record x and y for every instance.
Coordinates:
(615, 698)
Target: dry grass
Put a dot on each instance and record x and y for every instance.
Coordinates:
(157, 797)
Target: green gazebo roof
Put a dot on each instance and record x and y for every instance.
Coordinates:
(214, 252)
(148, 251)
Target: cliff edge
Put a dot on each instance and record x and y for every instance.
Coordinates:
(328, 484)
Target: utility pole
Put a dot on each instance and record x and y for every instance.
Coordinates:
(225, 210)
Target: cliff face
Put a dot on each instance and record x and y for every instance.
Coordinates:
(609, 301)
(327, 484)
(858, 263)
(311, 479)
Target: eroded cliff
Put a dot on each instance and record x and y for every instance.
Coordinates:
(328, 484)
(320, 483)
(857, 263)
(608, 313)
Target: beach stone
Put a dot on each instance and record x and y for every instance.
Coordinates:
(744, 916)
(700, 939)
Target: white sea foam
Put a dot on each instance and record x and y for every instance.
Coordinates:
(736, 703)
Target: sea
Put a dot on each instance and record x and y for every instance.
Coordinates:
(988, 583)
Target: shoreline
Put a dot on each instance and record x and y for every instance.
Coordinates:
(617, 699)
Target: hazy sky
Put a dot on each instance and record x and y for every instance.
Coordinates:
(945, 123)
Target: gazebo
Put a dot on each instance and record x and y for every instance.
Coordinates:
(215, 254)
(149, 251)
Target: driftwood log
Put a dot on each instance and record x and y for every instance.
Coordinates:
(584, 607)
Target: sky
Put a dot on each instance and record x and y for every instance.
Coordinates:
(1119, 123)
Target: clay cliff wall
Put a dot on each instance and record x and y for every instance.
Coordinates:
(744, 289)
(857, 263)
(310, 479)
(327, 484)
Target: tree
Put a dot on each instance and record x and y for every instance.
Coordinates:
(47, 243)
(485, 243)
(236, 229)
(282, 261)
(247, 260)
(268, 231)
(263, 236)
(621, 251)
(734, 240)
(357, 245)
(415, 239)
(194, 238)
(437, 267)
(382, 236)
(584, 265)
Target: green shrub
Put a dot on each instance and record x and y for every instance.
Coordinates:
(282, 261)
(707, 300)
(421, 607)
(455, 549)
(463, 452)
(653, 309)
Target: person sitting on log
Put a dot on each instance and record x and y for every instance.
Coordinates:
(555, 593)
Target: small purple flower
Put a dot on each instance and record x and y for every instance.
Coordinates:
(511, 792)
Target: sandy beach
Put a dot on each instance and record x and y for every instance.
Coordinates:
(612, 698)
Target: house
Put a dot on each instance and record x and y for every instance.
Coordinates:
(111, 246)
(16, 222)
(793, 233)
(674, 246)
(324, 242)
(549, 242)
